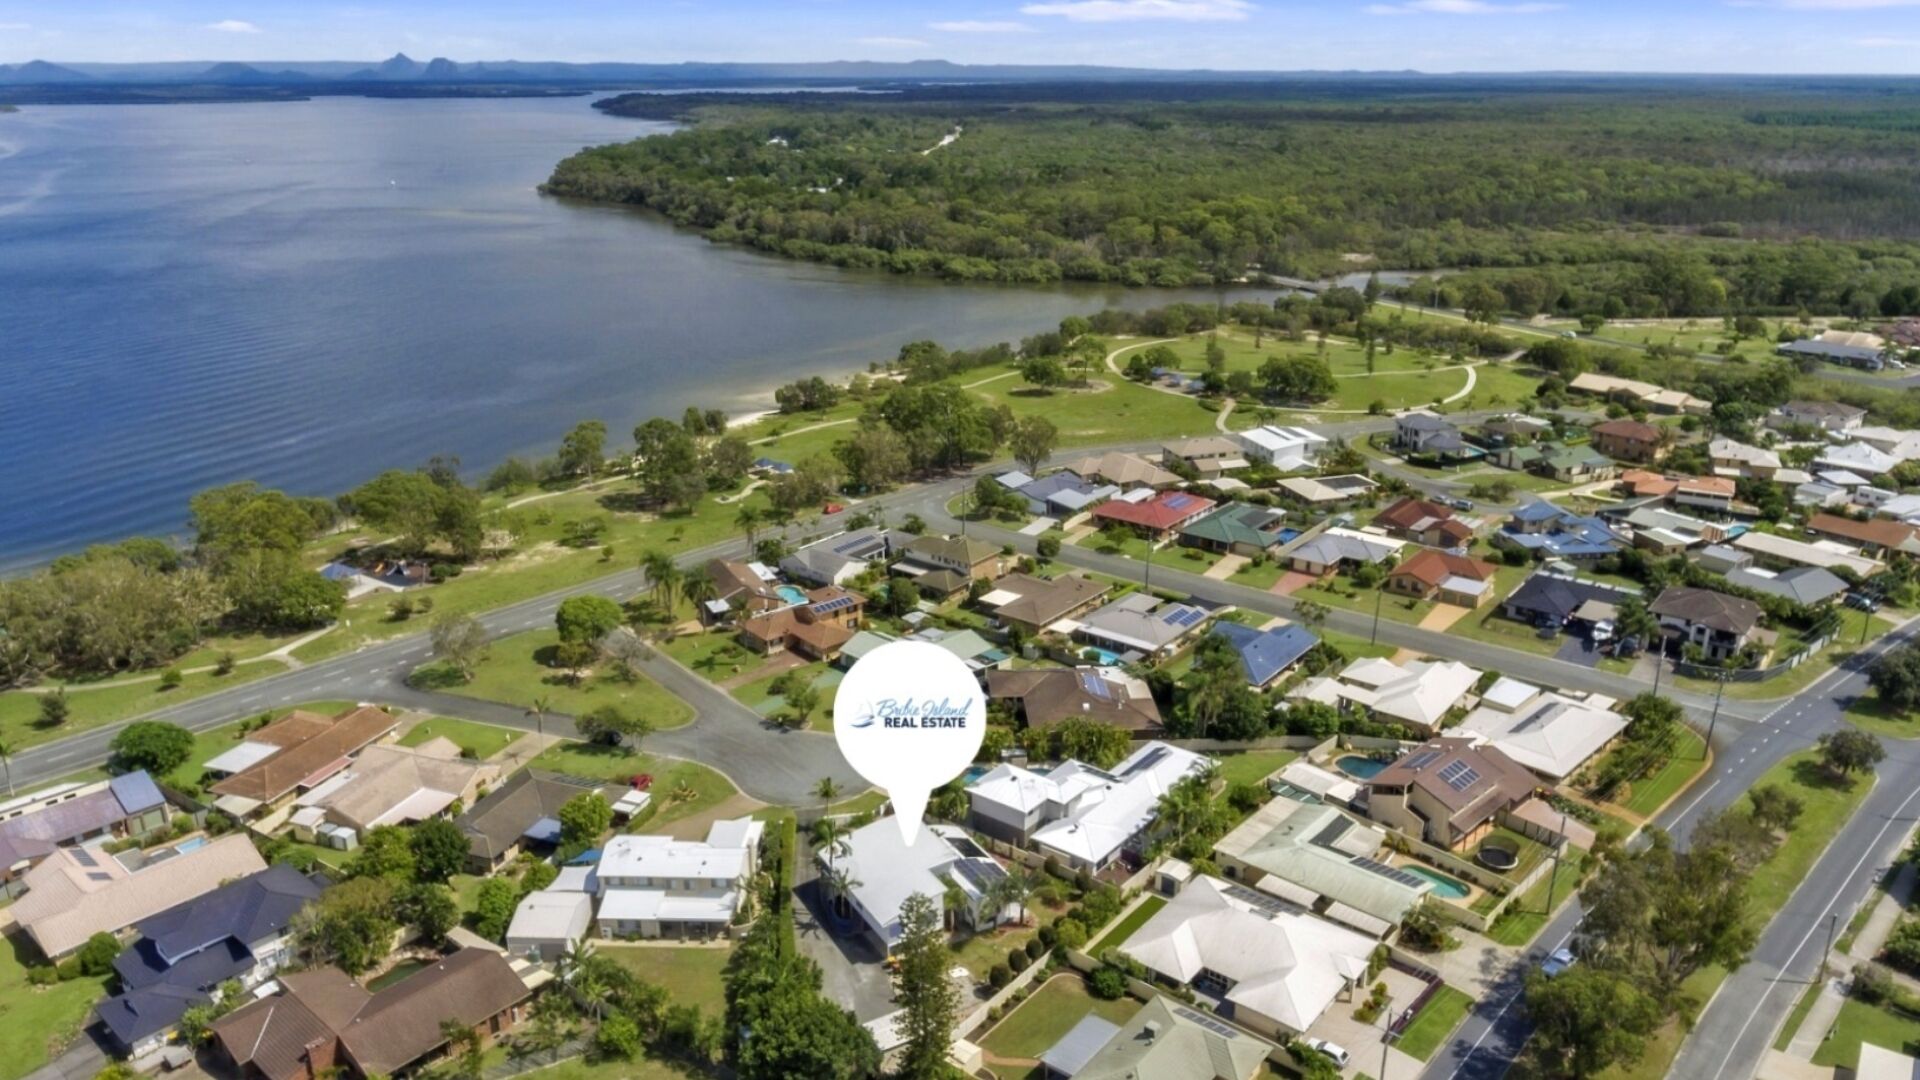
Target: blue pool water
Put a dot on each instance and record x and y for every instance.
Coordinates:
(185, 846)
(1102, 656)
(1288, 536)
(792, 594)
(1360, 768)
(1443, 886)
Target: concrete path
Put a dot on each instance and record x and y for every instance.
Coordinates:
(1818, 1021)
(1443, 616)
(1226, 567)
(1892, 904)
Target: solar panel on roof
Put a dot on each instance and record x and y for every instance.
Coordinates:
(1422, 759)
(1182, 616)
(1334, 831)
(978, 873)
(1094, 685)
(99, 875)
(1410, 880)
(1148, 760)
(1205, 1021)
(1459, 775)
(84, 857)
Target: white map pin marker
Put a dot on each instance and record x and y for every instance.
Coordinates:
(909, 717)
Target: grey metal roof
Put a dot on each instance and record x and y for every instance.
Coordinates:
(1077, 1047)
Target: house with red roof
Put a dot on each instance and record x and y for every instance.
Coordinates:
(1157, 518)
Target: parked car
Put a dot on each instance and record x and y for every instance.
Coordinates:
(1333, 1050)
(1558, 961)
(1461, 504)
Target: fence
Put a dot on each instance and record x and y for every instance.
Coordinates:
(1800, 655)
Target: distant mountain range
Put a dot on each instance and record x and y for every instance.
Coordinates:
(401, 68)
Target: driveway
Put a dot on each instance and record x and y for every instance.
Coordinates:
(1580, 651)
(1443, 616)
(853, 971)
(1226, 567)
(1361, 1040)
(1292, 581)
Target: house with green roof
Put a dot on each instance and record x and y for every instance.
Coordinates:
(1164, 1040)
(1238, 529)
(1313, 855)
(1578, 464)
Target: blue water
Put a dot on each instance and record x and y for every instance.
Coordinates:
(792, 594)
(185, 846)
(1443, 886)
(307, 293)
(1101, 656)
(1360, 768)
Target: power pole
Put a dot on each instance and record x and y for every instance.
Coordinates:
(1557, 849)
(1379, 593)
(1386, 1036)
(1833, 923)
(1719, 692)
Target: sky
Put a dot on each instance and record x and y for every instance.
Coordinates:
(1746, 36)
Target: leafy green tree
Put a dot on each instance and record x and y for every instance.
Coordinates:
(583, 818)
(459, 640)
(352, 924)
(1587, 1019)
(587, 618)
(386, 851)
(1849, 750)
(273, 590)
(1032, 440)
(875, 458)
(617, 1037)
(1895, 676)
(420, 510)
(930, 1001)
(610, 725)
(153, 745)
(1776, 808)
(430, 908)
(439, 850)
(584, 447)
(493, 906)
(97, 953)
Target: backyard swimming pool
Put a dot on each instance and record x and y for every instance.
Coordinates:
(1360, 768)
(1443, 886)
(792, 594)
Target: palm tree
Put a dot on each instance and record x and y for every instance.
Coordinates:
(826, 789)
(748, 521)
(6, 762)
(697, 588)
(829, 836)
(840, 881)
(662, 576)
(539, 710)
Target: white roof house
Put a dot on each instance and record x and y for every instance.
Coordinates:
(1285, 448)
(1880, 1063)
(654, 885)
(548, 922)
(1550, 733)
(886, 871)
(1858, 458)
(1825, 554)
(1086, 815)
(1286, 967)
(1732, 458)
(1327, 489)
(1419, 692)
(1899, 442)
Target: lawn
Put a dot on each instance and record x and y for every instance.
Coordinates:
(715, 654)
(1647, 796)
(1253, 766)
(1859, 1022)
(516, 672)
(1528, 913)
(1125, 928)
(1810, 670)
(1868, 714)
(1043, 1019)
(1259, 575)
(1353, 647)
(109, 703)
(1110, 410)
(979, 953)
(1434, 1023)
(476, 740)
(579, 1068)
(690, 974)
(41, 1021)
(706, 787)
(1496, 629)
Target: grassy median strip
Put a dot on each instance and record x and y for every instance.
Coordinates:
(1435, 1021)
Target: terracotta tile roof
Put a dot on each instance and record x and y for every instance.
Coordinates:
(1630, 430)
(1411, 513)
(1430, 567)
(1164, 511)
(1879, 532)
(1647, 484)
(320, 750)
(1472, 781)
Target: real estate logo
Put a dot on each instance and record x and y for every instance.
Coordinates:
(909, 717)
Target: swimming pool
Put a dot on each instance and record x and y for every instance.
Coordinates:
(1101, 656)
(1443, 886)
(194, 844)
(1360, 768)
(792, 594)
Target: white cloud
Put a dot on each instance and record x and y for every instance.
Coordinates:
(12, 27)
(234, 26)
(1824, 5)
(1460, 7)
(1137, 10)
(893, 42)
(981, 26)
(1888, 43)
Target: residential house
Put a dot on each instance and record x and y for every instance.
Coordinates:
(945, 566)
(1428, 435)
(1440, 575)
(1164, 1038)
(746, 588)
(1721, 559)
(838, 559)
(1044, 697)
(1336, 549)
(1287, 449)
(1325, 492)
(1157, 518)
(1424, 521)
(241, 931)
(1515, 428)
(1033, 604)
(1064, 494)
(1142, 624)
(1124, 471)
(1266, 655)
(1085, 816)
(1808, 586)
(659, 887)
(1833, 417)
(1850, 465)
(815, 630)
(1552, 733)
(1324, 860)
(1655, 528)
(1576, 464)
(1646, 484)
(77, 892)
(1521, 457)
(1721, 625)
(1779, 551)
(1208, 455)
(323, 1023)
(884, 870)
(1874, 537)
(1275, 970)
(1554, 600)
(521, 814)
(1544, 530)
(1238, 529)
(33, 825)
(1629, 391)
(549, 923)
(1418, 693)
(398, 785)
(1899, 442)
(1449, 791)
(1737, 459)
(1712, 493)
(972, 649)
(1880, 1063)
(1629, 440)
(303, 750)
(1865, 357)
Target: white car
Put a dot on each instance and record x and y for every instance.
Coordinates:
(1333, 1050)
(1558, 961)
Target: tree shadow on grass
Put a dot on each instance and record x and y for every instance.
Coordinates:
(1811, 774)
(437, 677)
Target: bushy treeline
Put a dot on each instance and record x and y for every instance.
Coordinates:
(1144, 190)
